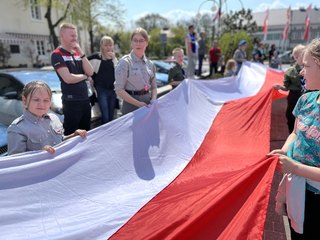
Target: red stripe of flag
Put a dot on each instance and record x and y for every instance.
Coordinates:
(286, 28)
(223, 192)
(307, 23)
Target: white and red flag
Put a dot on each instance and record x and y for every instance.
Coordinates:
(190, 166)
(307, 23)
(265, 25)
(218, 15)
(285, 32)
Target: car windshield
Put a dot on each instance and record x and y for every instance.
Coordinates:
(50, 77)
(162, 64)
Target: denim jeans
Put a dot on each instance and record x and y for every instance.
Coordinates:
(106, 100)
(200, 59)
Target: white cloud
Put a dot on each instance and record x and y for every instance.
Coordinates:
(176, 15)
(277, 4)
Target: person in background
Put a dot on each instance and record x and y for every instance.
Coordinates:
(294, 83)
(299, 158)
(231, 68)
(191, 50)
(73, 69)
(275, 61)
(221, 65)
(256, 56)
(214, 57)
(240, 54)
(202, 50)
(262, 52)
(176, 73)
(37, 129)
(272, 49)
(135, 75)
(103, 64)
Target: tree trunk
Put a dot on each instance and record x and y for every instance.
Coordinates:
(53, 37)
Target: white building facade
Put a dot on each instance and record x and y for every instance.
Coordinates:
(277, 22)
(24, 32)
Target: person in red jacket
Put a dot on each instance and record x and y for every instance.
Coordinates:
(214, 56)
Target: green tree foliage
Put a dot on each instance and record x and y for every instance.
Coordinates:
(176, 38)
(152, 21)
(155, 48)
(205, 24)
(89, 14)
(238, 21)
(92, 13)
(124, 42)
(229, 43)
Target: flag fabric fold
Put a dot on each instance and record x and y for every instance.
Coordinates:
(191, 166)
(265, 25)
(307, 23)
(285, 32)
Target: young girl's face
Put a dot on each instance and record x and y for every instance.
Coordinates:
(311, 72)
(38, 102)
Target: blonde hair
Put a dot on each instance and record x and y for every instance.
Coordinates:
(176, 50)
(231, 63)
(313, 48)
(299, 49)
(105, 40)
(67, 26)
(142, 32)
(30, 88)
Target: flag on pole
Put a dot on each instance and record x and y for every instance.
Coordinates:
(285, 32)
(265, 24)
(218, 15)
(187, 167)
(307, 23)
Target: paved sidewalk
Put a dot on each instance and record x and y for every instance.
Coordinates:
(275, 225)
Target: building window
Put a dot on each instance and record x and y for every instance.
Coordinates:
(35, 9)
(40, 47)
(296, 35)
(14, 49)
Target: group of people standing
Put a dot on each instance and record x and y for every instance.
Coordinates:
(299, 158)
(196, 51)
(132, 78)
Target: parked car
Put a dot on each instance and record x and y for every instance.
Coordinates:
(286, 57)
(162, 72)
(12, 83)
(161, 66)
(3, 139)
(11, 86)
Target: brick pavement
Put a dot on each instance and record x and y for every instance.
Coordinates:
(274, 228)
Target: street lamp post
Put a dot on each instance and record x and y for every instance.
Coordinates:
(217, 5)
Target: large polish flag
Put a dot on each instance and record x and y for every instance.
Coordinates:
(191, 166)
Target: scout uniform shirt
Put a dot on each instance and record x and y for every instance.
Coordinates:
(28, 132)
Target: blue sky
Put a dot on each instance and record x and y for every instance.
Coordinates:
(177, 9)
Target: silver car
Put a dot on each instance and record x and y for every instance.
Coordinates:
(11, 85)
